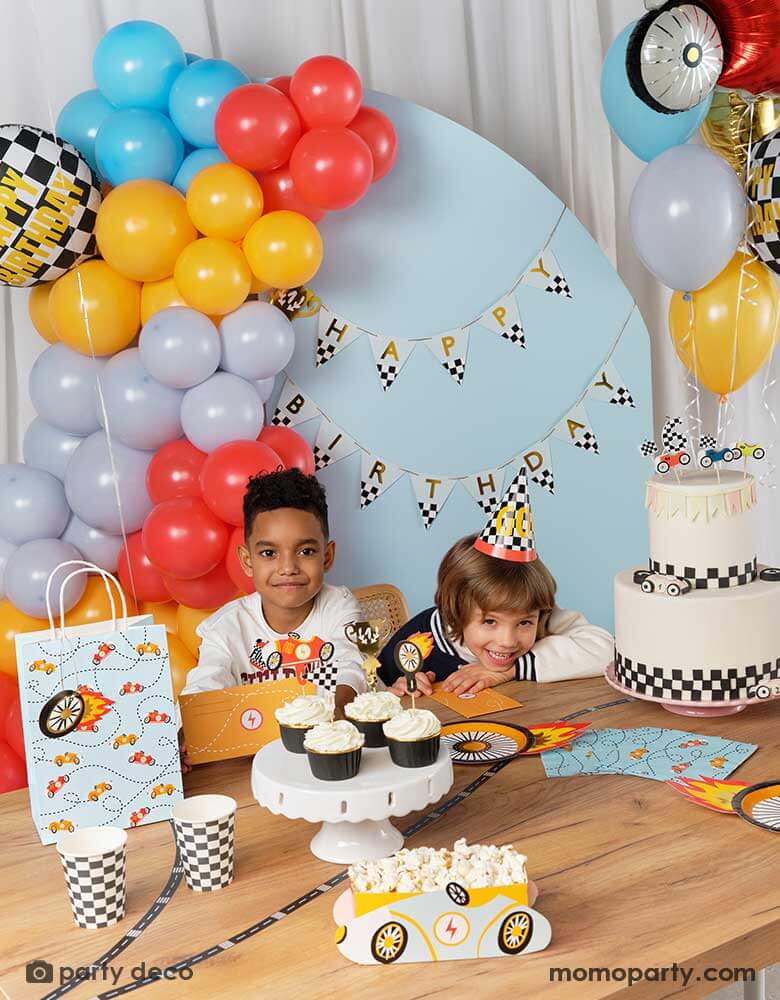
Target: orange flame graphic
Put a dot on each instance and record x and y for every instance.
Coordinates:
(550, 735)
(423, 641)
(709, 792)
(96, 705)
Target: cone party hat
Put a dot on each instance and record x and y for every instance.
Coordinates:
(509, 533)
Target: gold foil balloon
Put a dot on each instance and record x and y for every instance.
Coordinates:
(727, 129)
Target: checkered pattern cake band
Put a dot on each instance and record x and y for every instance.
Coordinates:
(702, 684)
(648, 448)
(322, 674)
(508, 533)
(96, 887)
(711, 578)
(456, 367)
(623, 397)
(558, 286)
(51, 221)
(765, 241)
(514, 334)
(206, 852)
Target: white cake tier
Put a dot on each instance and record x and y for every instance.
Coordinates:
(703, 646)
(702, 528)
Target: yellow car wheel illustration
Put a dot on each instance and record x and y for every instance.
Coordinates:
(515, 932)
(389, 942)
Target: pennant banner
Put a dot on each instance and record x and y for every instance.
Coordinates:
(390, 355)
(376, 476)
(538, 461)
(333, 335)
(485, 487)
(546, 273)
(431, 495)
(331, 445)
(294, 407)
(609, 387)
(504, 318)
(450, 350)
(575, 428)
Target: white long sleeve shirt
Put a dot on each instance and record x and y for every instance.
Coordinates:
(238, 644)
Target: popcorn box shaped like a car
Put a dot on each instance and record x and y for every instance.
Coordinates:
(380, 928)
(293, 655)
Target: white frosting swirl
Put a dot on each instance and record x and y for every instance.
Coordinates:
(303, 712)
(333, 737)
(412, 724)
(373, 706)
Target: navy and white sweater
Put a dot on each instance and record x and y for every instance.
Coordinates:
(572, 648)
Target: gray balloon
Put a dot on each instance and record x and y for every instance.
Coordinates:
(48, 447)
(687, 215)
(142, 412)
(257, 341)
(95, 545)
(28, 571)
(32, 504)
(265, 386)
(180, 347)
(90, 485)
(6, 548)
(221, 409)
(62, 388)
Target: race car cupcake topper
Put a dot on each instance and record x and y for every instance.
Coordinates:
(369, 637)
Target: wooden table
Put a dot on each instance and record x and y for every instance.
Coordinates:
(630, 874)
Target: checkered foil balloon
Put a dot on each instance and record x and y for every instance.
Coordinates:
(49, 199)
(764, 191)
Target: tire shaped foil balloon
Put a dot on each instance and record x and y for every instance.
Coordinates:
(763, 191)
(674, 57)
(49, 200)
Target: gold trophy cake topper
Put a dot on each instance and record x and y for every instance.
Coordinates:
(369, 637)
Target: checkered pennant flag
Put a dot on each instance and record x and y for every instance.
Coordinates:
(390, 355)
(707, 441)
(333, 335)
(431, 495)
(608, 386)
(504, 317)
(322, 674)
(484, 487)
(450, 350)
(538, 461)
(294, 407)
(207, 852)
(672, 437)
(331, 445)
(508, 533)
(546, 273)
(648, 448)
(49, 209)
(376, 476)
(575, 428)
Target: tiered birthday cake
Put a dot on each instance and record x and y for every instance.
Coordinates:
(701, 625)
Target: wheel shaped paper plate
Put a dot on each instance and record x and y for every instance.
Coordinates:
(760, 805)
(484, 741)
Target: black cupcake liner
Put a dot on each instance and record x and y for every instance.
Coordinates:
(373, 732)
(414, 753)
(335, 766)
(293, 737)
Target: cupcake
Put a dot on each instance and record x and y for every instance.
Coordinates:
(334, 750)
(298, 716)
(370, 711)
(413, 737)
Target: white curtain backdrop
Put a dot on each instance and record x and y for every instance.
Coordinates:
(523, 73)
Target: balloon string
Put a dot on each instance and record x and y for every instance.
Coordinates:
(88, 331)
(693, 406)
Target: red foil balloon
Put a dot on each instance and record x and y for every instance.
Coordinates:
(378, 133)
(332, 167)
(293, 450)
(146, 581)
(750, 30)
(280, 195)
(226, 472)
(175, 472)
(257, 127)
(233, 565)
(183, 539)
(206, 592)
(326, 91)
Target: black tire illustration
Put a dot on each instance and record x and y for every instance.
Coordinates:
(389, 942)
(458, 894)
(61, 714)
(515, 932)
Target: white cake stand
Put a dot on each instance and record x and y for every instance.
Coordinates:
(354, 813)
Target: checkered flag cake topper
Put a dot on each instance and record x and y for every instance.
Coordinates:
(672, 436)
(707, 441)
(648, 448)
(323, 674)
(508, 533)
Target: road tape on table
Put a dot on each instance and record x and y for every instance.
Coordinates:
(296, 904)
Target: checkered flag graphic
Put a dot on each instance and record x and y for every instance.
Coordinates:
(456, 367)
(765, 238)
(368, 493)
(514, 334)
(544, 478)
(428, 510)
(325, 351)
(322, 674)
(648, 448)
(707, 441)
(672, 436)
(206, 852)
(587, 441)
(96, 887)
(387, 373)
(623, 397)
(558, 286)
(321, 457)
(487, 504)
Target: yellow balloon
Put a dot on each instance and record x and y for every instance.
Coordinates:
(213, 276)
(95, 605)
(182, 661)
(112, 304)
(284, 249)
(12, 622)
(38, 308)
(187, 620)
(725, 332)
(224, 200)
(157, 295)
(142, 227)
(163, 614)
(730, 127)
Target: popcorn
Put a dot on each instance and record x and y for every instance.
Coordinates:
(426, 869)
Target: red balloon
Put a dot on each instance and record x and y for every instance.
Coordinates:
(294, 451)
(279, 195)
(226, 472)
(281, 83)
(146, 582)
(13, 773)
(184, 539)
(209, 591)
(9, 689)
(331, 167)
(14, 732)
(326, 91)
(378, 133)
(233, 565)
(750, 30)
(174, 472)
(257, 127)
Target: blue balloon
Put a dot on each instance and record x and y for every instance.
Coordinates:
(196, 94)
(80, 119)
(135, 64)
(197, 160)
(647, 133)
(192, 57)
(132, 144)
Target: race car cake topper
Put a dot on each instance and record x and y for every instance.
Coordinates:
(509, 532)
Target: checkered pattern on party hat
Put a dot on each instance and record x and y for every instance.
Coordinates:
(508, 533)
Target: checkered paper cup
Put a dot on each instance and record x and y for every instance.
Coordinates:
(203, 825)
(94, 864)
